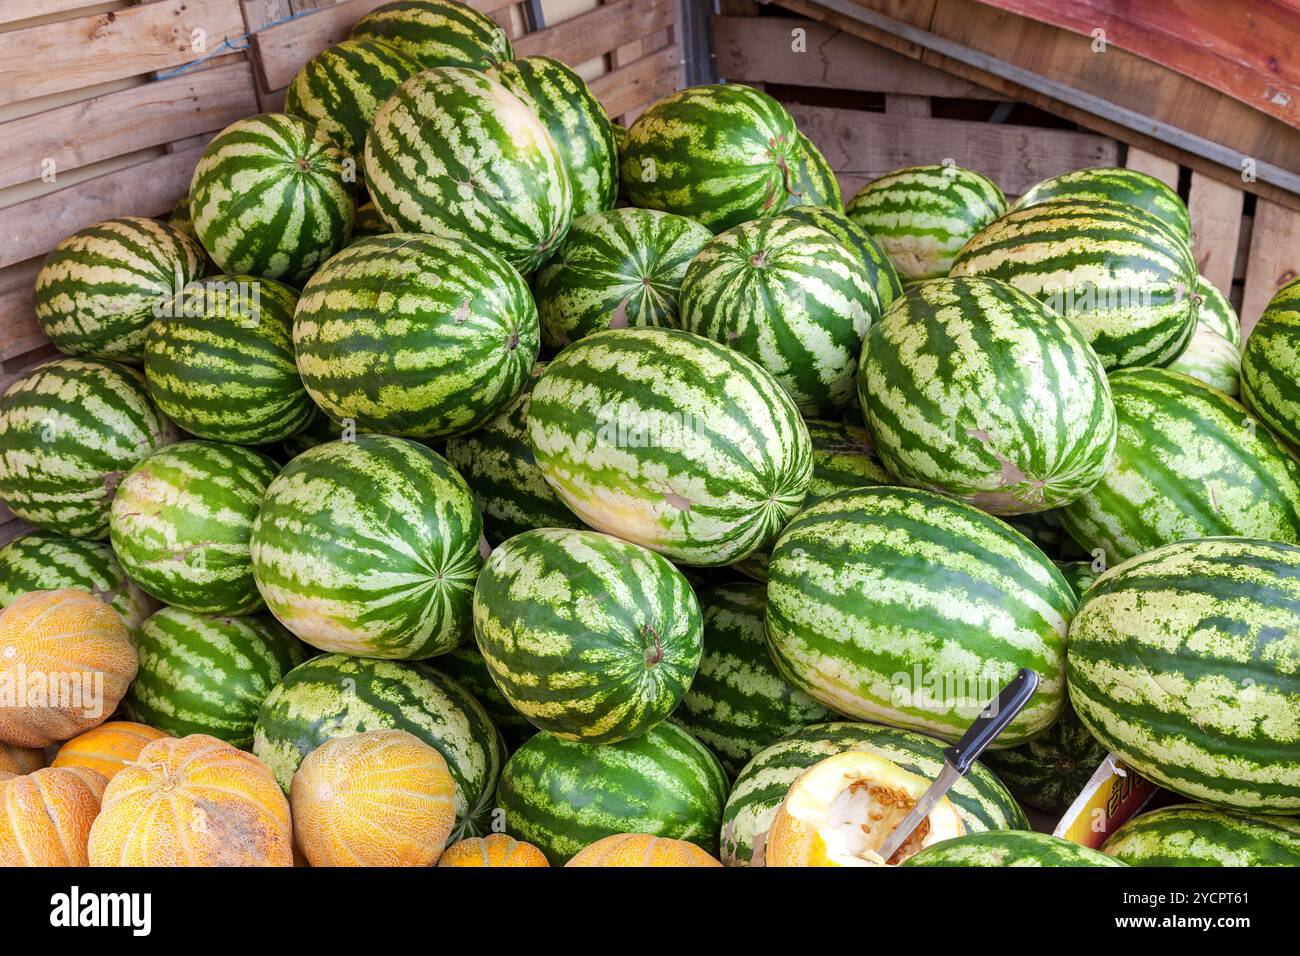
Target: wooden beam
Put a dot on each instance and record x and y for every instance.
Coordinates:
(599, 31)
(1154, 166)
(898, 104)
(1274, 259)
(640, 83)
(1215, 208)
(19, 332)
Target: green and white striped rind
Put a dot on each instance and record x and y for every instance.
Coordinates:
(437, 33)
(338, 696)
(222, 365)
(671, 441)
(208, 675)
(617, 269)
(1217, 312)
(1053, 768)
(562, 795)
(271, 197)
(1182, 663)
(1118, 273)
(973, 389)
(181, 520)
(1192, 834)
(1270, 364)
(1009, 849)
(791, 297)
(913, 610)
(721, 155)
(884, 278)
(368, 223)
(922, 215)
(181, 219)
(814, 180)
(590, 637)
(738, 703)
(1116, 184)
(980, 799)
(1189, 463)
(454, 153)
(340, 89)
(99, 288)
(370, 547)
(41, 561)
(413, 335)
(466, 666)
(577, 124)
(1212, 359)
(69, 430)
(1079, 575)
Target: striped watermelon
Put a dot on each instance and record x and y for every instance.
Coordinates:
(738, 703)
(923, 215)
(437, 33)
(884, 278)
(1053, 768)
(1116, 272)
(337, 696)
(815, 184)
(208, 675)
(41, 561)
(1270, 364)
(1216, 312)
(577, 124)
(721, 154)
(981, 800)
(272, 196)
(99, 288)
(791, 297)
(466, 666)
(421, 336)
(671, 441)
(370, 546)
(1182, 662)
(589, 637)
(1116, 184)
(1192, 834)
(1011, 848)
(181, 219)
(181, 521)
(454, 153)
(561, 795)
(1189, 463)
(221, 362)
(368, 223)
(616, 269)
(972, 388)
(914, 610)
(69, 430)
(1079, 575)
(1212, 359)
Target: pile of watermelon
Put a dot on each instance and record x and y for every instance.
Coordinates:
(636, 472)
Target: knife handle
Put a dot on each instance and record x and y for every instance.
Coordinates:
(992, 721)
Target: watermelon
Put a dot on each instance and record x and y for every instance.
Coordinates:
(577, 124)
(1116, 272)
(1116, 184)
(221, 362)
(41, 561)
(616, 269)
(721, 154)
(420, 336)
(317, 431)
(670, 441)
(1182, 662)
(1212, 359)
(923, 215)
(1079, 575)
(1009, 848)
(815, 184)
(561, 795)
(1216, 312)
(973, 389)
(437, 33)
(589, 637)
(181, 521)
(368, 223)
(884, 278)
(1270, 364)
(738, 703)
(1191, 834)
(914, 610)
(337, 696)
(69, 430)
(981, 800)
(791, 297)
(1052, 769)
(454, 153)
(466, 666)
(370, 547)
(99, 288)
(208, 675)
(1189, 463)
(181, 219)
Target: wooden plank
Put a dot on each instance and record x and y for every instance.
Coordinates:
(70, 54)
(280, 51)
(19, 332)
(598, 31)
(1274, 259)
(1155, 166)
(640, 83)
(898, 104)
(122, 122)
(1215, 208)
(11, 11)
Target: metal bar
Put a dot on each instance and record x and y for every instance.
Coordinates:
(695, 38)
(534, 20)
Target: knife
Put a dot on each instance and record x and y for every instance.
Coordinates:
(961, 756)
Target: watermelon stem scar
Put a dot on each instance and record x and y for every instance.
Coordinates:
(655, 653)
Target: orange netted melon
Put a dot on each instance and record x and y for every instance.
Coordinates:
(382, 798)
(641, 849)
(495, 849)
(107, 748)
(46, 815)
(20, 760)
